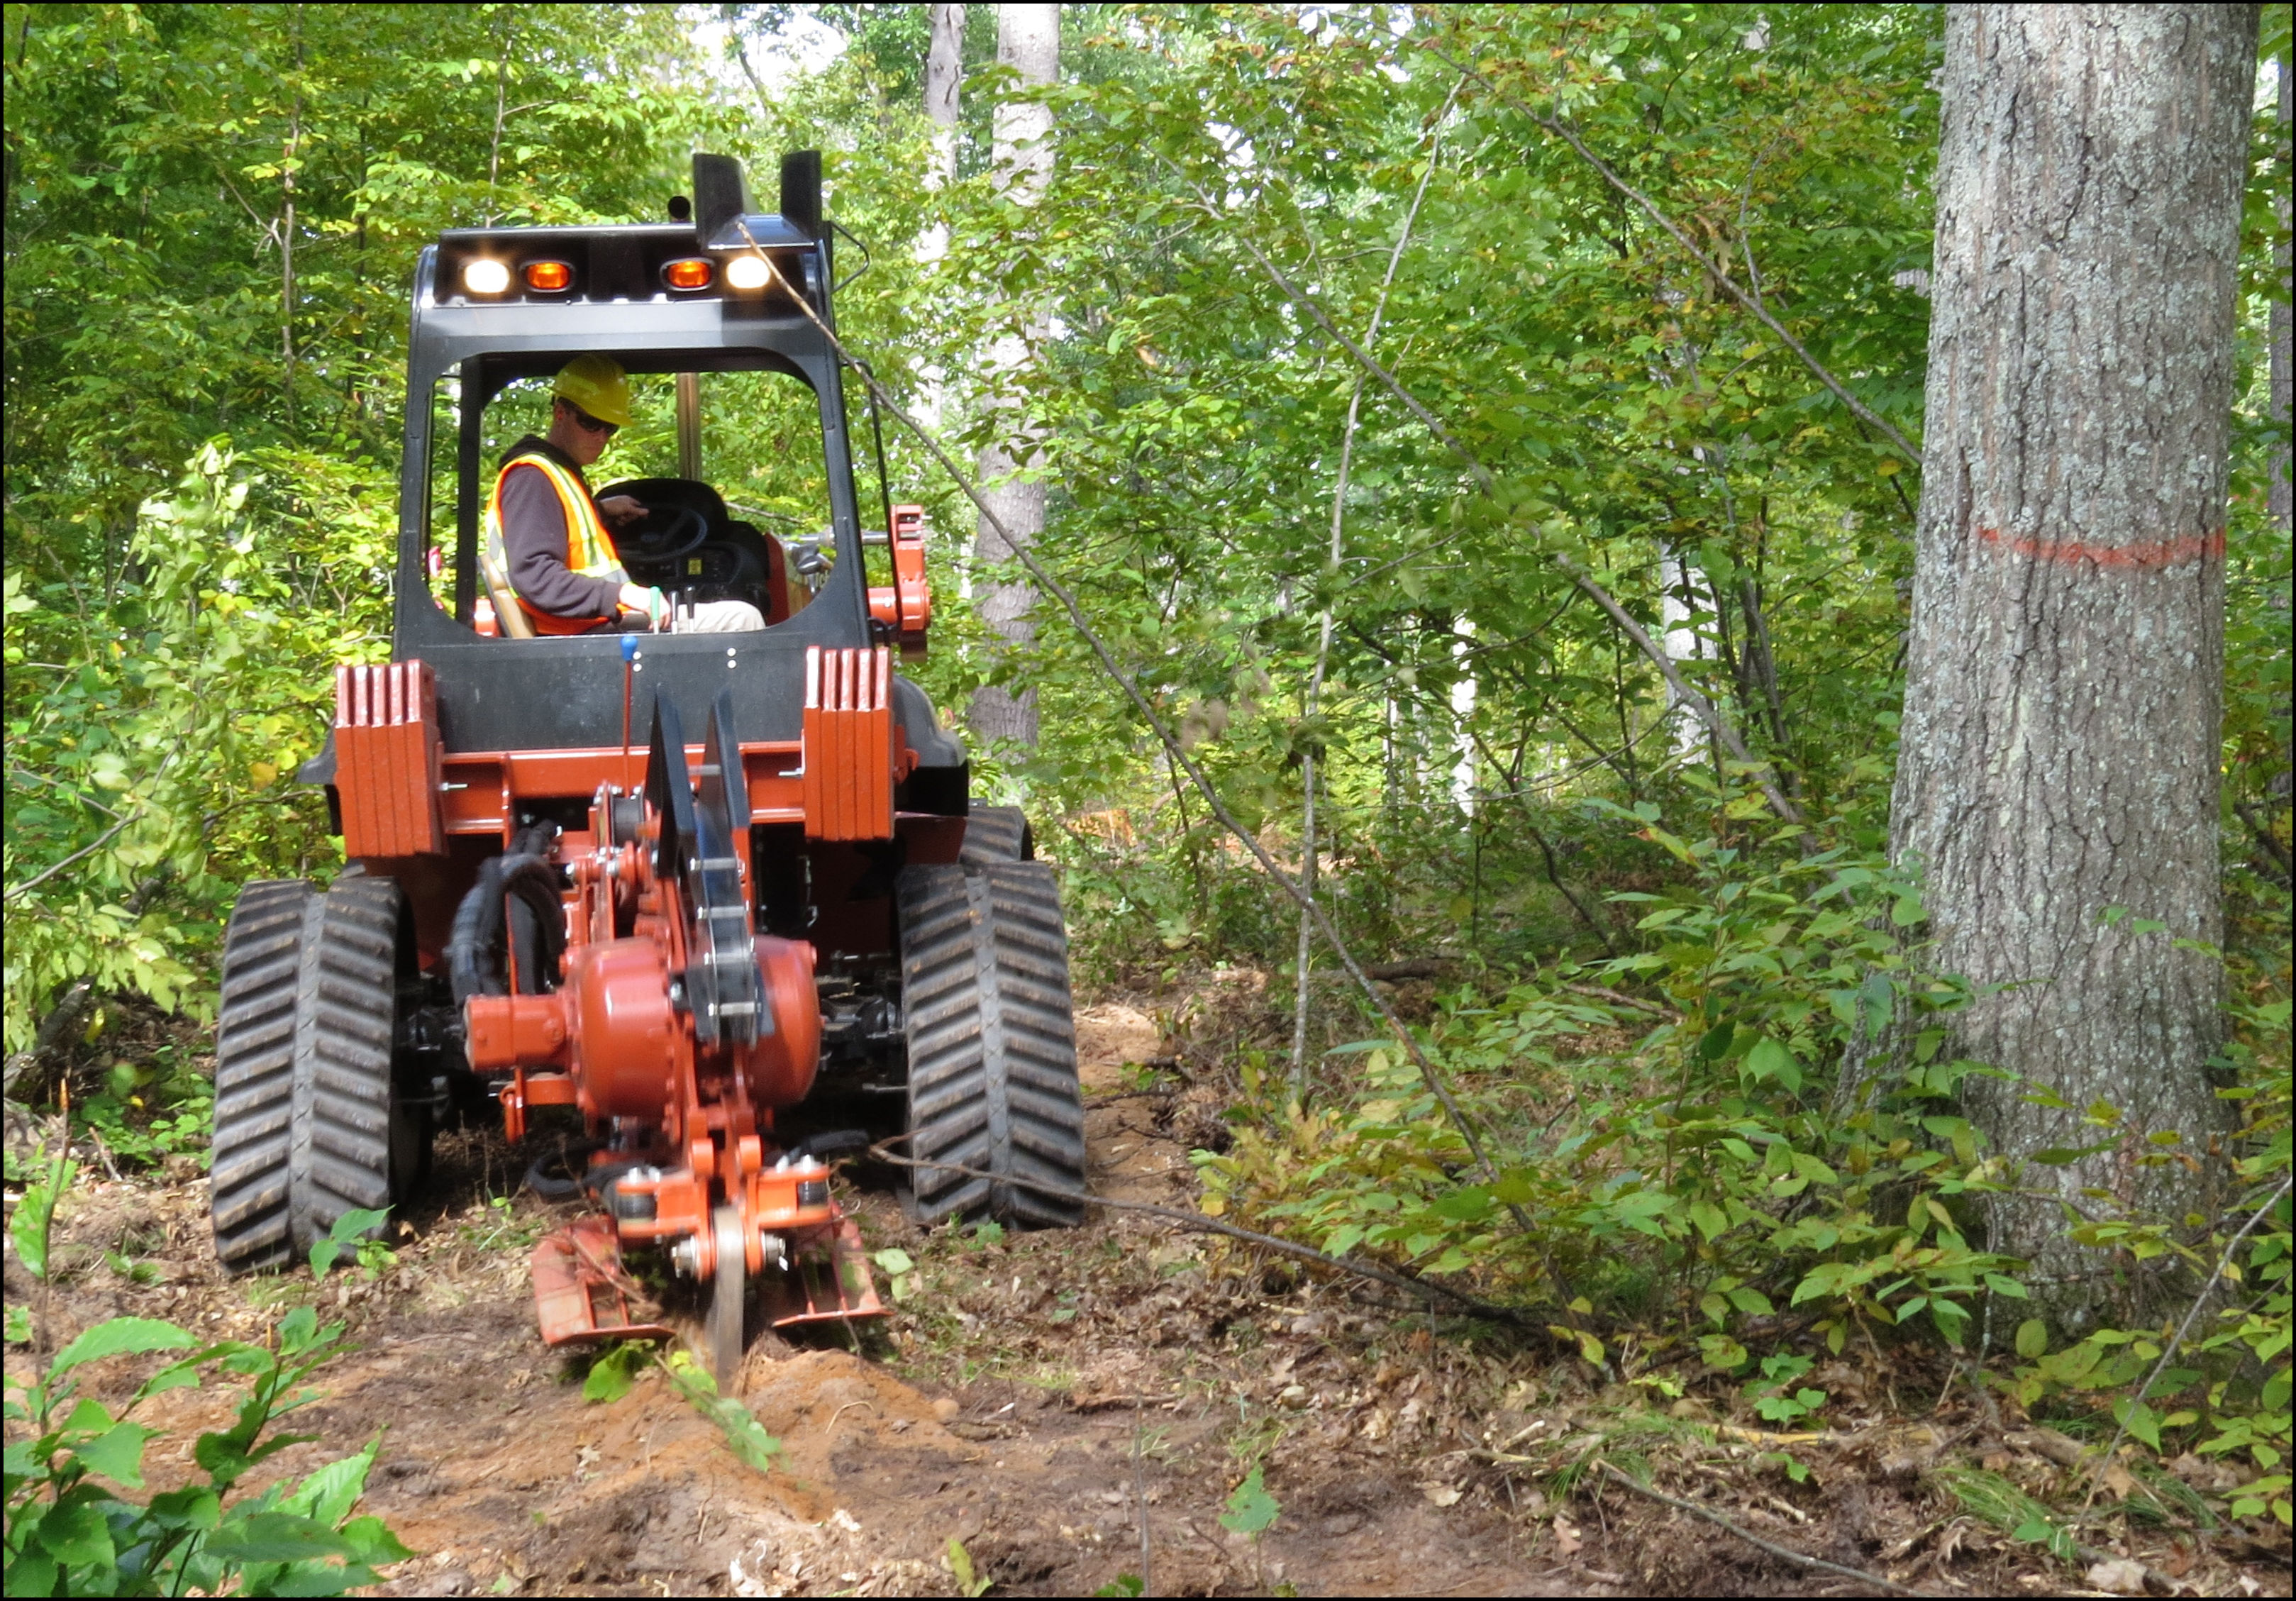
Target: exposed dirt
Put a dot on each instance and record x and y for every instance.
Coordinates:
(1054, 1403)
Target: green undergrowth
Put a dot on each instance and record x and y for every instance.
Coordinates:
(76, 1525)
(1673, 1168)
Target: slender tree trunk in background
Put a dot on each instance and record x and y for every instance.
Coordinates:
(943, 75)
(944, 72)
(1678, 581)
(2064, 681)
(1029, 41)
(289, 158)
(2279, 470)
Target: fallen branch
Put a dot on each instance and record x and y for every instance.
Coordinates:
(60, 1022)
(1197, 1223)
(1604, 993)
(1782, 1553)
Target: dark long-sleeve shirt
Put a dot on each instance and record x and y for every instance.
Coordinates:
(537, 539)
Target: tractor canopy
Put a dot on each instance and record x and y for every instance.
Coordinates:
(708, 316)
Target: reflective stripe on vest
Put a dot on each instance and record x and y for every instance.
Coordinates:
(588, 551)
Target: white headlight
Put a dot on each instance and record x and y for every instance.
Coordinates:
(748, 272)
(486, 277)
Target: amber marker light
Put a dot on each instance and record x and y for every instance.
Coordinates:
(748, 272)
(693, 273)
(549, 276)
(485, 276)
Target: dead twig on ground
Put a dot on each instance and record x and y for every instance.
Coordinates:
(1782, 1553)
(1603, 993)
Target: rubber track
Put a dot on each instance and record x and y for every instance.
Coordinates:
(255, 1075)
(341, 1136)
(992, 1042)
(995, 834)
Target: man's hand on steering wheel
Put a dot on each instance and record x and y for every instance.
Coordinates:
(621, 511)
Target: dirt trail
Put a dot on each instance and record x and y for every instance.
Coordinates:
(1062, 1390)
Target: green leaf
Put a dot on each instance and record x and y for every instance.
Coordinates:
(275, 1537)
(298, 1331)
(2032, 1338)
(614, 1373)
(960, 1567)
(122, 1337)
(73, 1530)
(27, 1231)
(1250, 1510)
(344, 1235)
(894, 1259)
(1122, 1585)
(373, 1542)
(327, 1494)
(1464, 1205)
(34, 1573)
(118, 1453)
(1770, 1059)
(2139, 1420)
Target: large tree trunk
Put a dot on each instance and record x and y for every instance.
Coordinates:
(1027, 41)
(2064, 687)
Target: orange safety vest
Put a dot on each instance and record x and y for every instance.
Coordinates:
(589, 550)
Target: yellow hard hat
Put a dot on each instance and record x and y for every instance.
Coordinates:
(595, 384)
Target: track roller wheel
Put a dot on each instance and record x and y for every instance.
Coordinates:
(308, 1121)
(992, 1043)
(995, 834)
(729, 1293)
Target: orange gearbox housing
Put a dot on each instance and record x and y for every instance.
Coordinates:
(612, 1025)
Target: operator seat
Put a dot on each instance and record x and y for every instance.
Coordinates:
(764, 570)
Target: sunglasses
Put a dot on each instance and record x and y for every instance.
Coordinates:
(591, 424)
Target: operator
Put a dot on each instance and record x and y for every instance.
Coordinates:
(547, 537)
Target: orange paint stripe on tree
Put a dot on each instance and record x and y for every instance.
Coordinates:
(2143, 555)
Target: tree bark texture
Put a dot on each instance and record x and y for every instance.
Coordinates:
(1027, 41)
(2063, 695)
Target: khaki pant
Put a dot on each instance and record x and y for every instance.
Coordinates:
(715, 617)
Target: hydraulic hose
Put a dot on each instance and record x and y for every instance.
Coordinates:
(480, 935)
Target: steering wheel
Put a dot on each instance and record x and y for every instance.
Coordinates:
(664, 534)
